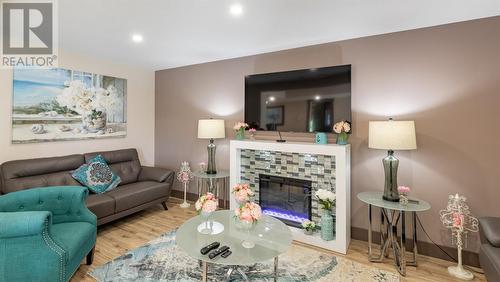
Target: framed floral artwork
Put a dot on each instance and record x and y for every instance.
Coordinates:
(60, 104)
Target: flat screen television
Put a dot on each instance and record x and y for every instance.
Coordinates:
(309, 100)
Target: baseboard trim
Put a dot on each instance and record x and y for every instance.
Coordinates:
(424, 248)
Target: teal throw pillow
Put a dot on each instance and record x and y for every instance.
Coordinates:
(97, 175)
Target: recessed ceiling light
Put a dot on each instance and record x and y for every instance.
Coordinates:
(137, 38)
(272, 98)
(236, 9)
(317, 97)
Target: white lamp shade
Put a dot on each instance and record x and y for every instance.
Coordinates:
(211, 129)
(392, 135)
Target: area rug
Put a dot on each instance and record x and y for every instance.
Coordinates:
(162, 260)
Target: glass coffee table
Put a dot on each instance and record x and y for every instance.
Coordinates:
(271, 237)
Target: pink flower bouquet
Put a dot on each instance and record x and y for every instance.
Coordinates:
(404, 190)
(403, 194)
(207, 203)
(249, 212)
(242, 193)
(240, 126)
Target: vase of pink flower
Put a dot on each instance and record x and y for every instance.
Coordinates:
(248, 214)
(206, 205)
(403, 194)
(342, 129)
(239, 128)
(252, 132)
(242, 193)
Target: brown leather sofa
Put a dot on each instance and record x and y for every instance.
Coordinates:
(489, 253)
(141, 186)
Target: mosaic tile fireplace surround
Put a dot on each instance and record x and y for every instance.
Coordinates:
(292, 167)
(319, 169)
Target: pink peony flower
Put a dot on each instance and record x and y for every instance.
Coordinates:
(458, 220)
(207, 203)
(404, 190)
(210, 206)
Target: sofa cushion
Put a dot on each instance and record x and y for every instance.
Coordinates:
(97, 175)
(74, 237)
(135, 194)
(101, 205)
(125, 163)
(25, 174)
(491, 229)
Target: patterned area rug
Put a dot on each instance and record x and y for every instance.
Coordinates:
(162, 260)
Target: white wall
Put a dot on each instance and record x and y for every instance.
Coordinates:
(140, 114)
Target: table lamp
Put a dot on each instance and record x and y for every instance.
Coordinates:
(211, 129)
(391, 135)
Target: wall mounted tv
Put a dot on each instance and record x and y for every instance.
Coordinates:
(309, 100)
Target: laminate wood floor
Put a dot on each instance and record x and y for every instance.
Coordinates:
(117, 238)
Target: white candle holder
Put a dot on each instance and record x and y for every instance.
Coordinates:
(456, 217)
(184, 176)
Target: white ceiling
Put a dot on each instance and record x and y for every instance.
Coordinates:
(184, 32)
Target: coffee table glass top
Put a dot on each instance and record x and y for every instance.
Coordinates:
(271, 237)
(375, 199)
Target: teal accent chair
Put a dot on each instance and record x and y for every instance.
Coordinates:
(45, 233)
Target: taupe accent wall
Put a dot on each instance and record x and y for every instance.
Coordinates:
(446, 78)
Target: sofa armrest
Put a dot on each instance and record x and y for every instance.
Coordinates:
(155, 174)
(67, 203)
(490, 230)
(21, 224)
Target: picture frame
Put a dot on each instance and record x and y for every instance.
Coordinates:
(275, 115)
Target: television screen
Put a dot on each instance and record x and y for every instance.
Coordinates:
(310, 100)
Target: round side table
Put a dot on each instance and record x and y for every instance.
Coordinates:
(391, 214)
(214, 183)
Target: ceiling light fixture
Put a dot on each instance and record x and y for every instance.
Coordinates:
(137, 38)
(317, 97)
(272, 98)
(236, 9)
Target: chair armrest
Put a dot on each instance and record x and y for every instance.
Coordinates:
(490, 230)
(155, 174)
(21, 224)
(67, 203)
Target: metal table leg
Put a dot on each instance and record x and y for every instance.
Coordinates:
(275, 269)
(204, 272)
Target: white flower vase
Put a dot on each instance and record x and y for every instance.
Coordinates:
(247, 226)
(207, 226)
(95, 121)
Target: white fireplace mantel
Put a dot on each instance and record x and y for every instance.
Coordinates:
(342, 155)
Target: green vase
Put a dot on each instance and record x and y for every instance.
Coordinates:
(240, 134)
(342, 138)
(327, 226)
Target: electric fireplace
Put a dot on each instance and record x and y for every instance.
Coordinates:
(287, 199)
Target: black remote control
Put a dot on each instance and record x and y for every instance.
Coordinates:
(226, 254)
(217, 252)
(210, 247)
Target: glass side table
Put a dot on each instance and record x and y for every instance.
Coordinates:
(214, 183)
(391, 213)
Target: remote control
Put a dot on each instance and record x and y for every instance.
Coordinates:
(217, 252)
(226, 254)
(210, 247)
